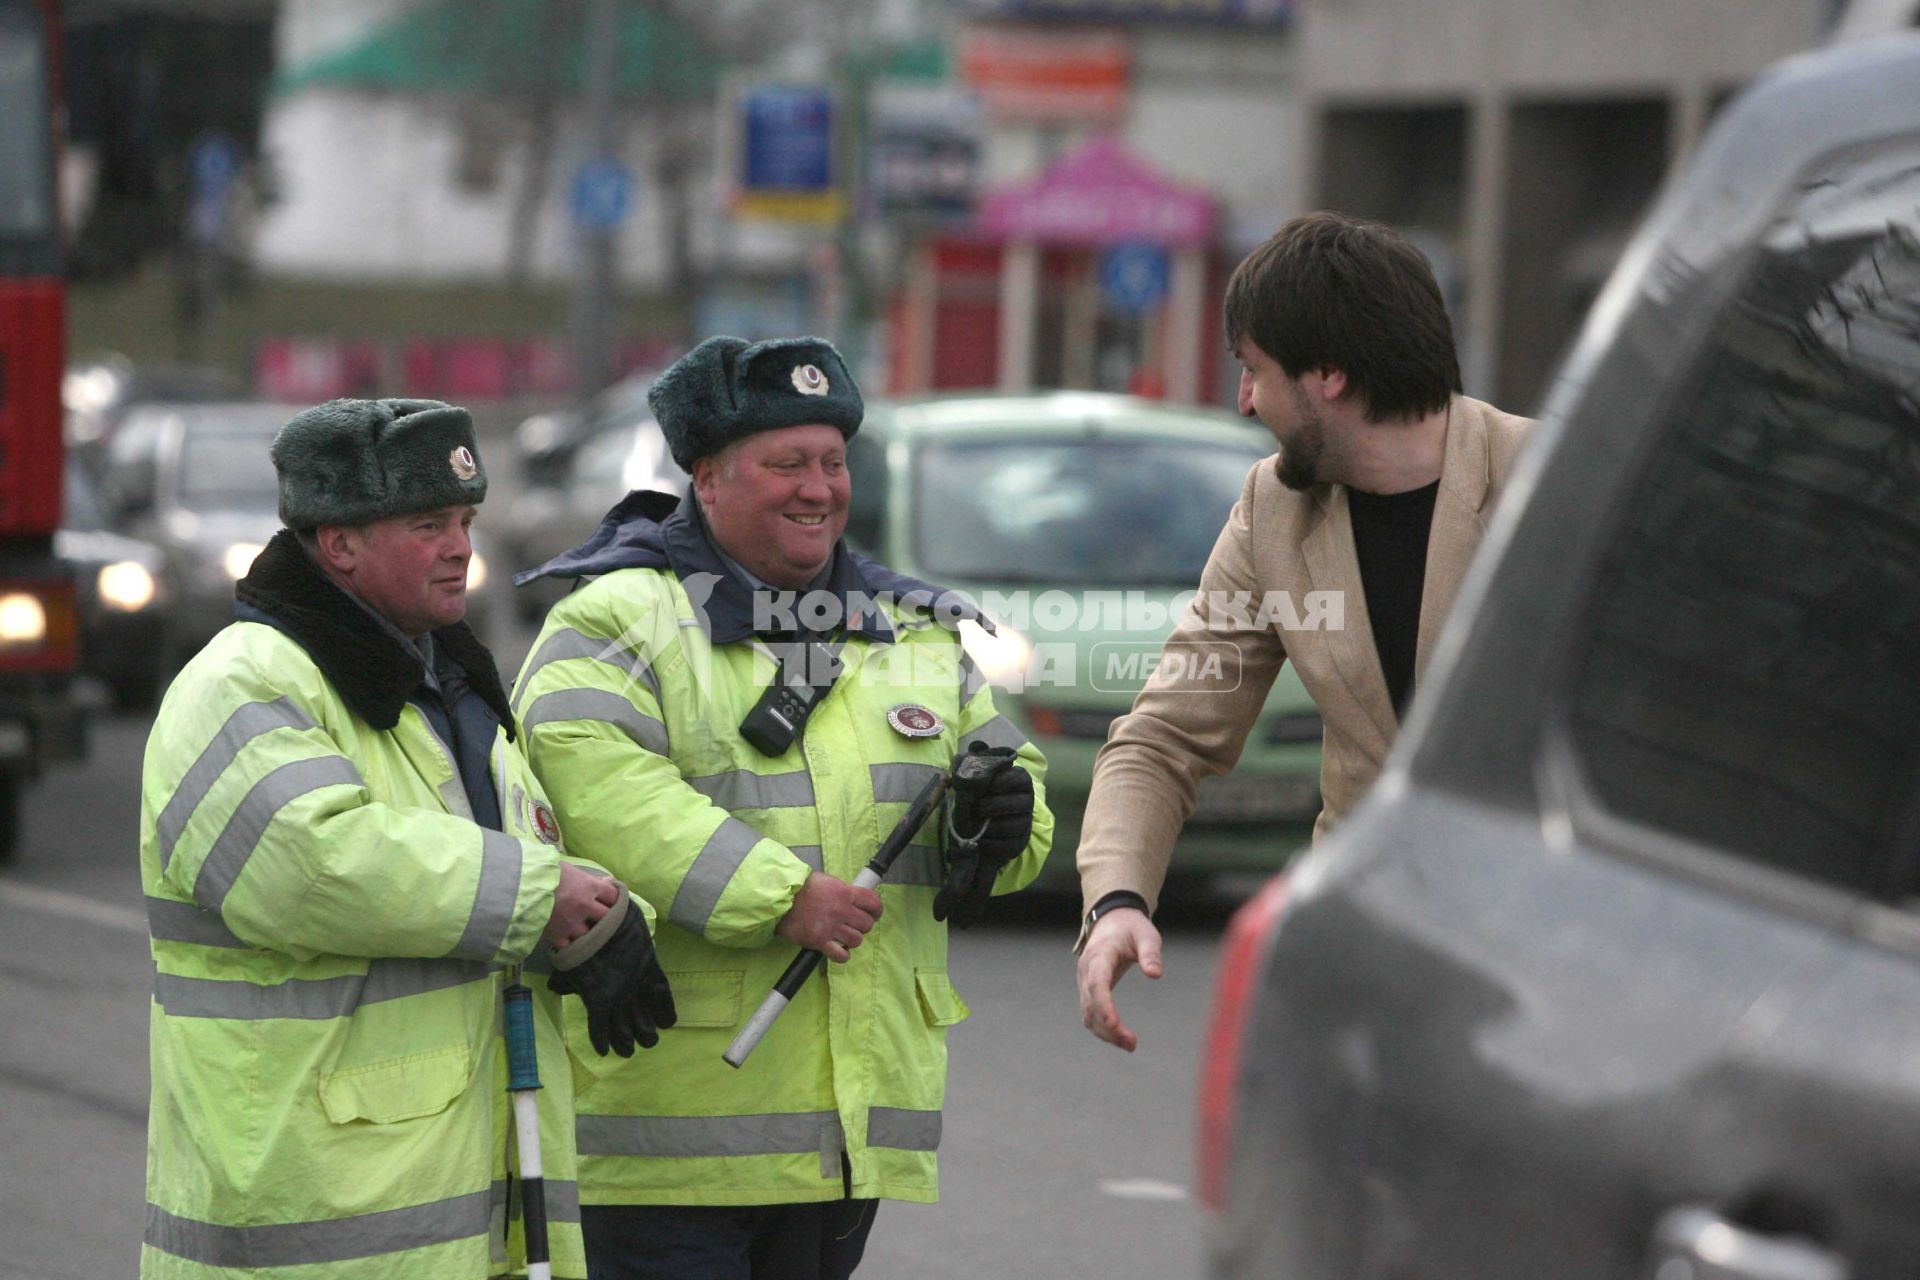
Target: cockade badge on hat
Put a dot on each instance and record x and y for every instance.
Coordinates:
(461, 460)
(809, 381)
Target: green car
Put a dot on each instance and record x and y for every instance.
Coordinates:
(1079, 522)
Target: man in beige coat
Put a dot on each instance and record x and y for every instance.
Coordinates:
(1382, 487)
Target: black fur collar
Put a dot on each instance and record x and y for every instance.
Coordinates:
(372, 670)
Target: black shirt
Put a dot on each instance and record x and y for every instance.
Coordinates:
(1390, 535)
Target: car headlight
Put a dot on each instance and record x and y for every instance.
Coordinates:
(1002, 654)
(126, 585)
(476, 571)
(23, 619)
(239, 558)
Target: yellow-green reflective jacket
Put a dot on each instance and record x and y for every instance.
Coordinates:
(329, 930)
(632, 722)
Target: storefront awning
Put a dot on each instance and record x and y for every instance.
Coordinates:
(1101, 194)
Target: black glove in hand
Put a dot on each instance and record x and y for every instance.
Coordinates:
(991, 823)
(616, 975)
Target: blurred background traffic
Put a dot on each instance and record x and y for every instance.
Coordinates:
(997, 208)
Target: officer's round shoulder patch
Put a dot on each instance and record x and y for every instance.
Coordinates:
(911, 720)
(545, 825)
(462, 462)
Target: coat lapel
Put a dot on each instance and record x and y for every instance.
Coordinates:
(1333, 566)
(1466, 478)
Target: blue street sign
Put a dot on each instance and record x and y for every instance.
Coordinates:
(1134, 276)
(602, 195)
(789, 139)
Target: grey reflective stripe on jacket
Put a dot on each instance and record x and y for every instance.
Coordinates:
(568, 643)
(739, 789)
(247, 722)
(598, 705)
(236, 842)
(391, 979)
(791, 1133)
(712, 870)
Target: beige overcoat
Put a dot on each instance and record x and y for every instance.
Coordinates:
(1193, 717)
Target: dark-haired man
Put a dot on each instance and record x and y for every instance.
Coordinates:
(1382, 487)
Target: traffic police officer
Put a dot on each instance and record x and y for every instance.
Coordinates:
(645, 701)
(341, 847)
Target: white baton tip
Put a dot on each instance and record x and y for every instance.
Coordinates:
(757, 1025)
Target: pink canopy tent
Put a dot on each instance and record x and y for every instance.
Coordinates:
(1101, 194)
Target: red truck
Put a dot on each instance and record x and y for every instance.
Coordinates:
(39, 718)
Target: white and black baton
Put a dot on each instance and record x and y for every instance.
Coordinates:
(523, 1083)
(807, 961)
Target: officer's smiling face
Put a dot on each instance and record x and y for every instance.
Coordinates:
(777, 501)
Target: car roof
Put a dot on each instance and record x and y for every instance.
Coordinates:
(1092, 412)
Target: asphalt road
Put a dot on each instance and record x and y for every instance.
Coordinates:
(1060, 1157)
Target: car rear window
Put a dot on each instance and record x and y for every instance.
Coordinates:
(1075, 510)
(223, 470)
(1752, 679)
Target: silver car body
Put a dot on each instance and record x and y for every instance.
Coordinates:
(1616, 973)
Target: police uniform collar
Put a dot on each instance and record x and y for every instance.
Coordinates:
(636, 532)
(372, 668)
(729, 610)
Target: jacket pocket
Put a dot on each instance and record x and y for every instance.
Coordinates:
(421, 1084)
(709, 999)
(940, 1004)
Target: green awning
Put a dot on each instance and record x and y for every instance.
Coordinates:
(487, 47)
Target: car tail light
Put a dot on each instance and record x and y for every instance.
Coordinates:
(38, 626)
(1249, 934)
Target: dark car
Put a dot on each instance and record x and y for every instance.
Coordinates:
(1616, 972)
(120, 592)
(556, 510)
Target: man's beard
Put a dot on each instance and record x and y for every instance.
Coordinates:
(1299, 465)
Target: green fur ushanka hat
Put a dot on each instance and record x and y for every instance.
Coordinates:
(726, 389)
(352, 461)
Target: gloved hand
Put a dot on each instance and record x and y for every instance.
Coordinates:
(617, 976)
(988, 825)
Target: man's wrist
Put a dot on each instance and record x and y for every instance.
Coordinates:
(1118, 900)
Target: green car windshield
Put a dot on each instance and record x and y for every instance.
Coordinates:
(1074, 510)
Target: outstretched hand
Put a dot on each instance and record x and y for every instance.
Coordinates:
(1120, 939)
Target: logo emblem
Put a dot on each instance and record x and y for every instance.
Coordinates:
(463, 464)
(809, 381)
(545, 825)
(911, 720)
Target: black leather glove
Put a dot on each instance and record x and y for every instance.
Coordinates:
(989, 824)
(617, 976)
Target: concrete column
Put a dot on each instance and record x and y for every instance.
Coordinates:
(1019, 309)
(1488, 160)
(1080, 326)
(922, 316)
(1186, 298)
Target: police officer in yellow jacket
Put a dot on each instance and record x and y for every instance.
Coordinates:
(731, 715)
(341, 847)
